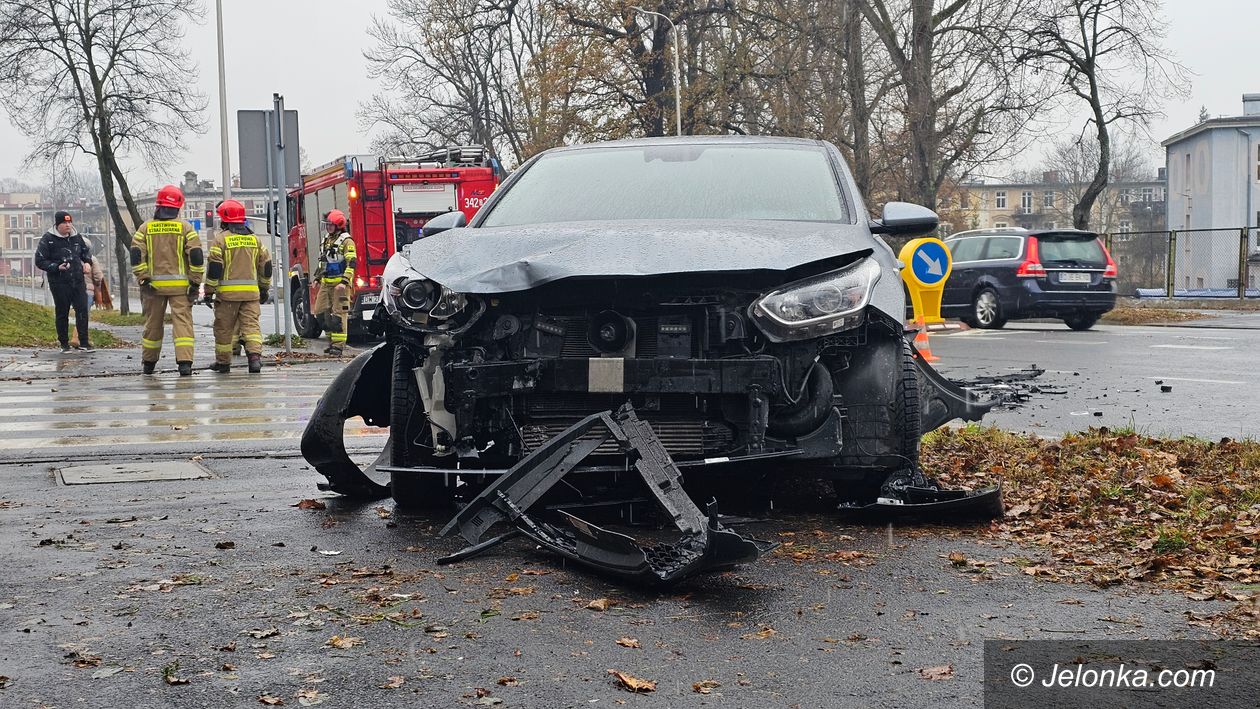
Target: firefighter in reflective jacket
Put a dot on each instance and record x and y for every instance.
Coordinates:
(335, 273)
(238, 279)
(168, 263)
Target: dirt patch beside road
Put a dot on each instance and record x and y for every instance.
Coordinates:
(1115, 507)
(1128, 315)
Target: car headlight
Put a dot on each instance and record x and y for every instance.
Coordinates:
(826, 303)
(419, 303)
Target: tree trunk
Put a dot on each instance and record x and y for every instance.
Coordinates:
(1083, 209)
(855, 85)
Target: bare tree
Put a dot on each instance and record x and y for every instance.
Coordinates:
(106, 78)
(1109, 56)
(966, 103)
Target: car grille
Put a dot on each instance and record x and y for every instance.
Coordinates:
(576, 344)
(683, 439)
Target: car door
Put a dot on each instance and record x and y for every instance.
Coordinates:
(1002, 254)
(965, 253)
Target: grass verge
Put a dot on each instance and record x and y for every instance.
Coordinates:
(113, 317)
(25, 324)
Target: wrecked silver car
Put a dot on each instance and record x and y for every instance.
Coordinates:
(731, 290)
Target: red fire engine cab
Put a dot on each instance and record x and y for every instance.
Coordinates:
(386, 201)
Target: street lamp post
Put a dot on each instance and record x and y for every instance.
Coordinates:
(677, 70)
(223, 113)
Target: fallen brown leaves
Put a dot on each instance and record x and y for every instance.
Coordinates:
(631, 683)
(628, 642)
(310, 505)
(1137, 316)
(705, 686)
(1115, 507)
(938, 672)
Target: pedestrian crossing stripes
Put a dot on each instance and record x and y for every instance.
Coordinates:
(207, 412)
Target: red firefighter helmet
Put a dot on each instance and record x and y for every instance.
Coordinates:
(337, 218)
(170, 196)
(231, 212)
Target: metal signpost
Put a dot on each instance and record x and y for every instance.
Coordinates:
(269, 158)
(927, 265)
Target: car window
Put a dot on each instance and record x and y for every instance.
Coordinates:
(967, 249)
(694, 181)
(1003, 247)
(1071, 251)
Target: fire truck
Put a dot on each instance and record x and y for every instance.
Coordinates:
(386, 201)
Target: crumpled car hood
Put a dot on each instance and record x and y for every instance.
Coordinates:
(508, 259)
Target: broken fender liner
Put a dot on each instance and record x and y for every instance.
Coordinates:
(705, 544)
(361, 389)
(943, 401)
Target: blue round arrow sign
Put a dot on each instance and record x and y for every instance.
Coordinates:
(930, 263)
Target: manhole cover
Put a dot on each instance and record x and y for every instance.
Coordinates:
(132, 473)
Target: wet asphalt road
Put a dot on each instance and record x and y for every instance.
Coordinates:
(125, 578)
(1117, 371)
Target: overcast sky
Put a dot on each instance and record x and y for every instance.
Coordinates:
(312, 52)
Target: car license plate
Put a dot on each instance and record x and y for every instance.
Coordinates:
(1074, 278)
(371, 298)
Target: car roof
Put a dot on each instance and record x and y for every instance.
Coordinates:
(694, 140)
(1018, 231)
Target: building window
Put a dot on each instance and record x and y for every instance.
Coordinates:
(12, 221)
(1124, 196)
(1148, 193)
(1258, 163)
(1047, 199)
(1025, 202)
(1126, 227)
(28, 221)
(15, 242)
(1000, 199)
(1054, 225)
(999, 225)
(30, 242)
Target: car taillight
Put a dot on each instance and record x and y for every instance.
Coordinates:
(359, 282)
(1031, 267)
(1110, 271)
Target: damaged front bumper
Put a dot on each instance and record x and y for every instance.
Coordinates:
(704, 544)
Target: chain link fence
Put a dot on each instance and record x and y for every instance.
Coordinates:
(1187, 263)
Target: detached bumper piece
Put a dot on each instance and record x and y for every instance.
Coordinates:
(355, 392)
(943, 401)
(704, 544)
(918, 497)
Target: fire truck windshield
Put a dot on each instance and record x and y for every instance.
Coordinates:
(695, 181)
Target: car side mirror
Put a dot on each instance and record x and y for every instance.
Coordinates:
(443, 222)
(905, 219)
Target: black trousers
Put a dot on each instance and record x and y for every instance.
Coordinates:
(65, 294)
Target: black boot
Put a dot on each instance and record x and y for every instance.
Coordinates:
(149, 367)
(334, 350)
(255, 363)
(185, 369)
(221, 368)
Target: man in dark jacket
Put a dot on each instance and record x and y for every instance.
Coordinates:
(61, 254)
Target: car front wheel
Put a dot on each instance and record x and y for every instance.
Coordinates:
(986, 310)
(1081, 322)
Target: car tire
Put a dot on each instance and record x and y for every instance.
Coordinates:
(407, 426)
(1082, 322)
(907, 419)
(304, 321)
(986, 310)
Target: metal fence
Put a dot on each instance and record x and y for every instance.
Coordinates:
(1187, 263)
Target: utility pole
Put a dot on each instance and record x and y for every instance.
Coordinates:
(677, 70)
(223, 115)
(282, 213)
